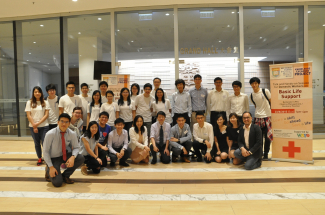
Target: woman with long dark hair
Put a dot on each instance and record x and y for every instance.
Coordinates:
(162, 104)
(37, 110)
(232, 133)
(89, 149)
(135, 90)
(139, 141)
(221, 147)
(126, 108)
(93, 108)
(111, 108)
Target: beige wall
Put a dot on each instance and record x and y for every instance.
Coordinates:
(23, 9)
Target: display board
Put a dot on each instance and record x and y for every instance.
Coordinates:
(116, 83)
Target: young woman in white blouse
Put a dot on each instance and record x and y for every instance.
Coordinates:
(111, 108)
(162, 104)
(135, 90)
(37, 110)
(139, 141)
(93, 108)
(89, 149)
(127, 108)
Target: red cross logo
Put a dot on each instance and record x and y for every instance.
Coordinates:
(291, 149)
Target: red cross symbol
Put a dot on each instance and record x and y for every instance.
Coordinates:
(291, 149)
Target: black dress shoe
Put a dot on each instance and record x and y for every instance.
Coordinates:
(67, 180)
(199, 159)
(174, 159)
(112, 163)
(154, 161)
(123, 163)
(265, 157)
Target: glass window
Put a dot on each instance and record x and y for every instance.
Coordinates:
(145, 47)
(271, 35)
(8, 109)
(208, 45)
(89, 39)
(316, 23)
(38, 55)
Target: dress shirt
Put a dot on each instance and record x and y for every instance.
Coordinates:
(134, 137)
(181, 103)
(217, 101)
(246, 135)
(204, 133)
(182, 134)
(52, 146)
(237, 104)
(155, 131)
(198, 98)
(117, 141)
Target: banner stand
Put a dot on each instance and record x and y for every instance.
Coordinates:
(292, 160)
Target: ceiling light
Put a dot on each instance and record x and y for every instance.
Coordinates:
(118, 30)
(132, 41)
(268, 11)
(27, 60)
(324, 25)
(264, 39)
(228, 26)
(49, 69)
(74, 65)
(233, 12)
(219, 41)
(287, 47)
(250, 48)
(34, 42)
(39, 61)
(167, 14)
(309, 11)
(79, 32)
(207, 14)
(42, 25)
(74, 0)
(48, 63)
(261, 37)
(29, 53)
(99, 18)
(145, 16)
(140, 48)
(285, 28)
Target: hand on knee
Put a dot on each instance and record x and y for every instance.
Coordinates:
(224, 156)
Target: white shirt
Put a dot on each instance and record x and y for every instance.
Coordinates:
(165, 107)
(126, 111)
(104, 99)
(246, 135)
(143, 105)
(111, 110)
(54, 110)
(133, 97)
(153, 93)
(37, 113)
(263, 108)
(92, 144)
(217, 101)
(84, 101)
(95, 110)
(237, 104)
(68, 103)
(204, 133)
(134, 137)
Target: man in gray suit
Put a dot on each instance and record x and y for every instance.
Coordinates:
(180, 140)
(250, 143)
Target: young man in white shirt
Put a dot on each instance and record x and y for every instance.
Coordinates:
(70, 100)
(53, 101)
(142, 105)
(103, 89)
(203, 138)
(237, 102)
(261, 98)
(85, 100)
(217, 102)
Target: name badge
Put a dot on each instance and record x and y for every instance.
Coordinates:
(224, 132)
(185, 132)
(202, 95)
(238, 131)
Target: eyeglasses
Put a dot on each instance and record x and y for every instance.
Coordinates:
(64, 122)
(246, 117)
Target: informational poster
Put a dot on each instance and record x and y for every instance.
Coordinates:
(116, 83)
(292, 112)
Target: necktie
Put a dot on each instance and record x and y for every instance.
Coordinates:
(63, 146)
(161, 136)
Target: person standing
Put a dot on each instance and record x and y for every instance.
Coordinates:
(70, 100)
(93, 108)
(199, 96)
(56, 143)
(37, 110)
(156, 83)
(135, 90)
(162, 104)
(237, 102)
(111, 108)
(126, 108)
(261, 98)
(250, 143)
(85, 100)
(181, 103)
(53, 101)
(103, 89)
(217, 102)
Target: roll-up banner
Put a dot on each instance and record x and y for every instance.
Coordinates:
(116, 83)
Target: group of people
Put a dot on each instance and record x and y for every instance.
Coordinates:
(79, 129)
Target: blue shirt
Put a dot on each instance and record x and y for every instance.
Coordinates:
(181, 103)
(198, 98)
(103, 134)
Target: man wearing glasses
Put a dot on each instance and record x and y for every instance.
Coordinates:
(57, 144)
(250, 143)
(70, 100)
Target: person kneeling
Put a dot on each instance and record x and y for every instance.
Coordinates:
(250, 143)
(139, 141)
(89, 149)
(159, 136)
(118, 144)
(180, 140)
(56, 143)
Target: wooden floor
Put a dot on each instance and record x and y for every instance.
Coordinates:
(177, 188)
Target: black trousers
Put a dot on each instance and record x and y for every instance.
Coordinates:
(197, 146)
(127, 154)
(213, 117)
(58, 179)
(163, 158)
(102, 155)
(92, 164)
(52, 126)
(127, 127)
(177, 151)
(186, 117)
(266, 142)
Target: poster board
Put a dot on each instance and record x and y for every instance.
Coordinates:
(116, 83)
(292, 112)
